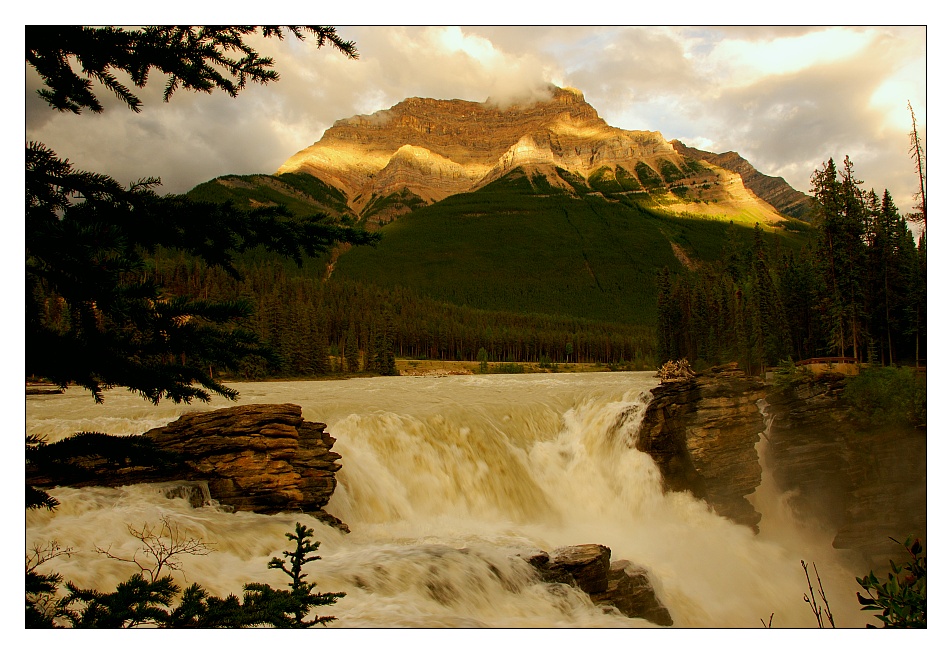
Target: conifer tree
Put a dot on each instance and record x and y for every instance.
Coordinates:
(351, 353)
(86, 234)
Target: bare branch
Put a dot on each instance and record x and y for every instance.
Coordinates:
(39, 555)
(161, 544)
(818, 613)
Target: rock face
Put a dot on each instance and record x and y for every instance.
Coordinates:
(701, 433)
(620, 584)
(429, 149)
(773, 190)
(867, 485)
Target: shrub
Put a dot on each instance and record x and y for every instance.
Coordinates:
(902, 596)
(788, 375)
(887, 396)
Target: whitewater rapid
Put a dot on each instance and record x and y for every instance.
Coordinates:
(444, 481)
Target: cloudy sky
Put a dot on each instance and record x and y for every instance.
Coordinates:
(786, 98)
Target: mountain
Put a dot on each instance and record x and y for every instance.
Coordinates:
(422, 150)
(516, 229)
(774, 190)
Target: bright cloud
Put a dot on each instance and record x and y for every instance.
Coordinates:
(743, 60)
(786, 98)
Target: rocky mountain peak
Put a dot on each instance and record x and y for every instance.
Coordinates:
(428, 149)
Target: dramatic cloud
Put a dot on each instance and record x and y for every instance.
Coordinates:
(786, 98)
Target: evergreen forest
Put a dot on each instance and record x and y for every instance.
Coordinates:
(857, 289)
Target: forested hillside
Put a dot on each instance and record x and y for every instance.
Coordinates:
(521, 269)
(522, 245)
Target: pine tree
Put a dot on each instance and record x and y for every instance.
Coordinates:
(88, 237)
(195, 58)
(351, 353)
(290, 608)
(919, 156)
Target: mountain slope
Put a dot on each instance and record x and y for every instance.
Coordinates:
(524, 245)
(773, 190)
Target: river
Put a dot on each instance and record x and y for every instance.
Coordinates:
(444, 479)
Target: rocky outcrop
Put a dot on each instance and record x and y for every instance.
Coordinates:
(620, 584)
(701, 433)
(258, 457)
(868, 484)
(586, 564)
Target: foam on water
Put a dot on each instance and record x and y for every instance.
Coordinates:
(444, 481)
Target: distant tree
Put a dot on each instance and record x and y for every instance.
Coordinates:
(483, 357)
(351, 353)
(841, 214)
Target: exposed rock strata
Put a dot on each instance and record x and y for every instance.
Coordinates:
(435, 148)
(259, 457)
(867, 485)
(620, 584)
(701, 433)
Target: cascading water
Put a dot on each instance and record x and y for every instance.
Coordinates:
(444, 481)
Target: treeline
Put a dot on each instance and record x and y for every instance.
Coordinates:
(319, 327)
(858, 289)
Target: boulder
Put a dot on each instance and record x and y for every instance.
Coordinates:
(630, 590)
(621, 584)
(586, 564)
(258, 457)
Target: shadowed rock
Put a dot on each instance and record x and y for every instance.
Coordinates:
(701, 433)
(621, 584)
(630, 591)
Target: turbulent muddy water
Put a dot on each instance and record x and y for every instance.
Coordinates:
(444, 480)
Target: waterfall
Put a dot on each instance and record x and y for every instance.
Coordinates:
(445, 481)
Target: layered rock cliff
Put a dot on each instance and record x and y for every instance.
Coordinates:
(431, 149)
(701, 432)
(866, 484)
